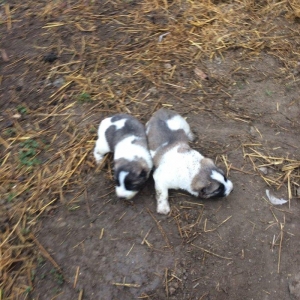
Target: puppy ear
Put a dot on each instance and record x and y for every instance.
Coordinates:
(202, 178)
(202, 183)
(206, 167)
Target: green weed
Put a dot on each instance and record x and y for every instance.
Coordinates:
(92, 130)
(28, 290)
(40, 260)
(240, 85)
(84, 97)
(11, 197)
(56, 290)
(25, 231)
(22, 109)
(10, 132)
(269, 93)
(59, 278)
(28, 152)
(33, 274)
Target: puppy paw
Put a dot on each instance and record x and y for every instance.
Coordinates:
(192, 136)
(163, 208)
(98, 157)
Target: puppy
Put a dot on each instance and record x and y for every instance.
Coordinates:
(125, 136)
(176, 165)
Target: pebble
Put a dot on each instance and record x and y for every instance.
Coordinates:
(50, 57)
(172, 291)
(59, 82)
(61, 224)
(294, 286)
(20, 85)
(252, 130)
(263, 170)
(153, 91)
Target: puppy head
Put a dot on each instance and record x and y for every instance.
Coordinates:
(210, 181)
(130, 176)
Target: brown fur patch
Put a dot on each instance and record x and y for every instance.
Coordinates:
(203, 179)
(136, 166)
(158, 131)
(183, 148)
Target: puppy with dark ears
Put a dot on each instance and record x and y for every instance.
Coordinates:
(125, 136)
(176, 165)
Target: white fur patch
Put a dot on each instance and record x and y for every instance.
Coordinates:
(119, 124)
(102, 147)
(121, 190)
(125, 149)
(178, 122)
(178, 169)
(175, 171)
(220, 178)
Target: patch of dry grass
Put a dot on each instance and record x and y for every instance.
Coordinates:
(275, 171)
(115, 56)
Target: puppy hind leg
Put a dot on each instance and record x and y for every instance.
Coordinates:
(101, 148)
(163, 206)
(187, 129)
(191, 136)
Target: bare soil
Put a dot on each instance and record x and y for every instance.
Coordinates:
(241, 247)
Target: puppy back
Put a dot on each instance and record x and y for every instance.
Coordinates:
(130, 127)
(160, 134)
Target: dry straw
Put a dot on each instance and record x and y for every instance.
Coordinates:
(276, 171)
(112, 57)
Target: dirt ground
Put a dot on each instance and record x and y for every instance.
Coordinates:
(89, 244)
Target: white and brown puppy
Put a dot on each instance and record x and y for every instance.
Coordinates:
(177, 166)
(125, 136)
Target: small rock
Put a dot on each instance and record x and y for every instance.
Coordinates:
(200, 74)
(16, 116)
(4, 55)
(20, 84)
(153, 91)
(253, 132)
(50, 57)
(59, 82)
(61, 224)
(294, 286)
(171, 291)
(263, 170)
(175, 285)
(168, 66)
